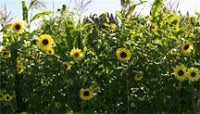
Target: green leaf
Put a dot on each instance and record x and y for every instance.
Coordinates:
(119, 14)
(132, 8)
(197, 13)
(156, 7)
(38, 15)
(68, 33)
(25, 11)
(106, 24)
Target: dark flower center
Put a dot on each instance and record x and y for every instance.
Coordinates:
(76, 54)
(186, 47)
(193, 74)
(153, 27)
(7, 97)
(5, 53)
(65, 66)
(50, 52)
(20, 69)
(17, 27)
(45, 42)
(180, 73)
(123, 54)
(176, 21)
(86, 93)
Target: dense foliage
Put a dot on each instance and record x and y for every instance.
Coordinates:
(101, 64)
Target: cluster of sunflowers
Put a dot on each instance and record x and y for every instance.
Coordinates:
(45, 43)
(181, 72)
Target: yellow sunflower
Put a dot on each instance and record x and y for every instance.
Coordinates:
(1, 96)
(123, 54)
(141, 98)
(26, 60)
(5, 53)
(18, 27)
(180, 72)
(20, 68)
(45, 42)
(86, 94)
(187, 48)
(77, 54)
(113, 27)
(24, 113)
(57, 105)
(154, 27)
(50, 51)
(138, 77)
(193, 74)
(67, 65)
(7, 97)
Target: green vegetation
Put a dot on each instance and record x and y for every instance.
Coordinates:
(121, 63)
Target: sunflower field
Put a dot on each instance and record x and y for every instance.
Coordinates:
(108, 63)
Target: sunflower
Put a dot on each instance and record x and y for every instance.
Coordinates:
(45, 42)
(20, 69)
(154, 27)
(26, 60)
(18, 27)
(7, 97)
(1, 96)
(180, 72)
(86, 94)
(187, 48)
(76, 54)
(123, 54)
(138, 77)
(113, 27)
(5, 53)
(24, 112)
(193, 74)
(67, 65)
(57, 105)
(50, 51)
(141, 98)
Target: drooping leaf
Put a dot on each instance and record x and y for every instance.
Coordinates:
(132, 8)
(38, 15)
(197, 13)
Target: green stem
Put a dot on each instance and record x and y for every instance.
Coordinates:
(127, 89)
(18, 87)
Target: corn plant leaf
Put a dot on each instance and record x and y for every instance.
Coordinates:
(197, 13)
(132, 8)
(156, 7)
(25, 11)
(38, 15)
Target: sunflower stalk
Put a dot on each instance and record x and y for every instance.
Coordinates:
(18, 79)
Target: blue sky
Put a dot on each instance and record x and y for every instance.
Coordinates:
(98, 6)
